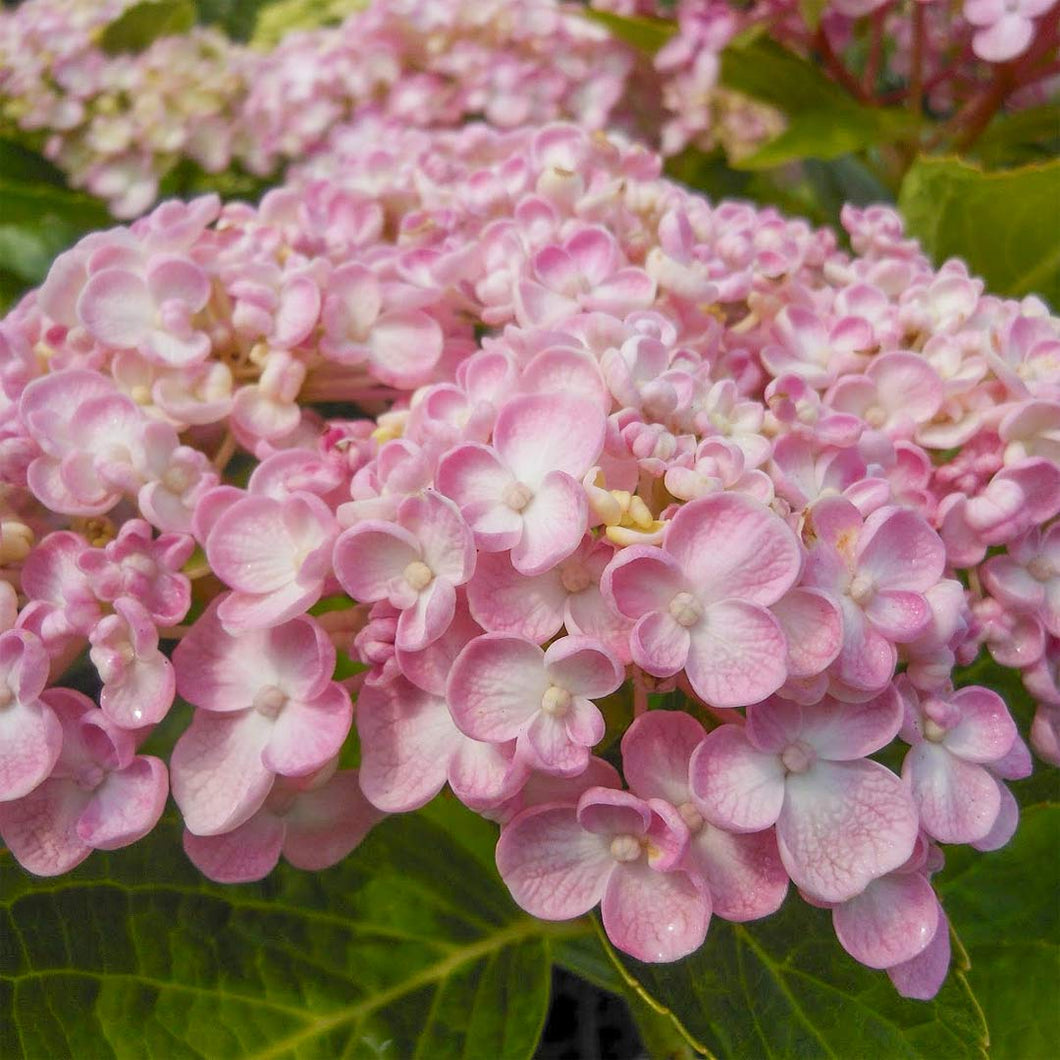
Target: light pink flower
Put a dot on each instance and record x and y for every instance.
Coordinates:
(1006, 27)
(30, 735)
(1027, 578)
(954, 738)
(878, 570)
(267, 705)
(524, 493)
(138, 680)
(416, 562)
(275, 554)
(313, 822)
(503, 687)
(410, 747)
(560, 861)
(101, 795)
(842, 820)
(700, 601)
(152, 310)
(742, 871)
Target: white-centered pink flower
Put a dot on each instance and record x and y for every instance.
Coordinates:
(700, 602)
(742, 871)
(504, 687)
(1027, 576)
(1005, 28)
(416, 562)
(524, 492)
(267, 706)
(842, 820)
(101, 794)
(274, 554)
(617, 850)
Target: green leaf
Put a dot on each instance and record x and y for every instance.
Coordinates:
(411, 947)
(37, 204)
(145, 22)
(823, 121)
(1021, 136)
(1004, 907)
(236, 17)
(811, 11)
(645, 34)
(783, 987)
(1004, 224)
(21, 164)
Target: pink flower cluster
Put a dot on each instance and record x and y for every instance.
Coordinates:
(533, 436)
(116, 124)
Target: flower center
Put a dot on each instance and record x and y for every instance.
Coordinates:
(269, 701)
(626, 848)
(875, 416)
(574, 577)
(685, 609)
(798, 757)
(7, 697)
(418, 575)
(933, 731)
(691, 816)
(556, 701)
(90, 778)
(1041, 569)
(517, 496)
(862, 589)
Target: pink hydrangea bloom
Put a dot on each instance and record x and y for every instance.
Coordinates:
(700, 602)
(101, 795)
(503, 687)
(617, 850)
(841, 819)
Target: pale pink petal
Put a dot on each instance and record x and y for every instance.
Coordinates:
(1008, 819)
(654, 916)
(216, 771)
(737, 654)
(899, 615)
(844, 824)
(496, 686)
(241, 611)
(306, 735)
(958, 802)
(547, 745)
(404, 347)
(249, 546)
(326, 823)
(985, 731)
(656, 750)
(735, 786)
(540, 433)
(483, 775)
(428, 618)
(898, 550)
(116, 308)
(890, 922)
(609, 812)
(30, 740)
(730, 545)
(867, 658)
(504, 601)
(249, 852)
(407, 741)
(640, 579)
(582, 666)
(921, 977)
(813, 627)
(659, 644)
(743, 872)
(843, 732)
(126, 806)
(554, 868)
(41, 828)
(554, 523)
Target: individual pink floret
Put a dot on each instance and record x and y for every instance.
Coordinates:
(878, 569)
(30, 735)
(615, 849)
(267, 705)
(416, 562)
(742, 871)
(138, 680)
(842, 820)
(1027, 578)
(1006, 27)
(700, 603)
(139, 565)
(504, 687)
(151, 310)
(954, 738)
(410, 748)
(313, 822)
(101, 795)
(275, 554)
(524, 493)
